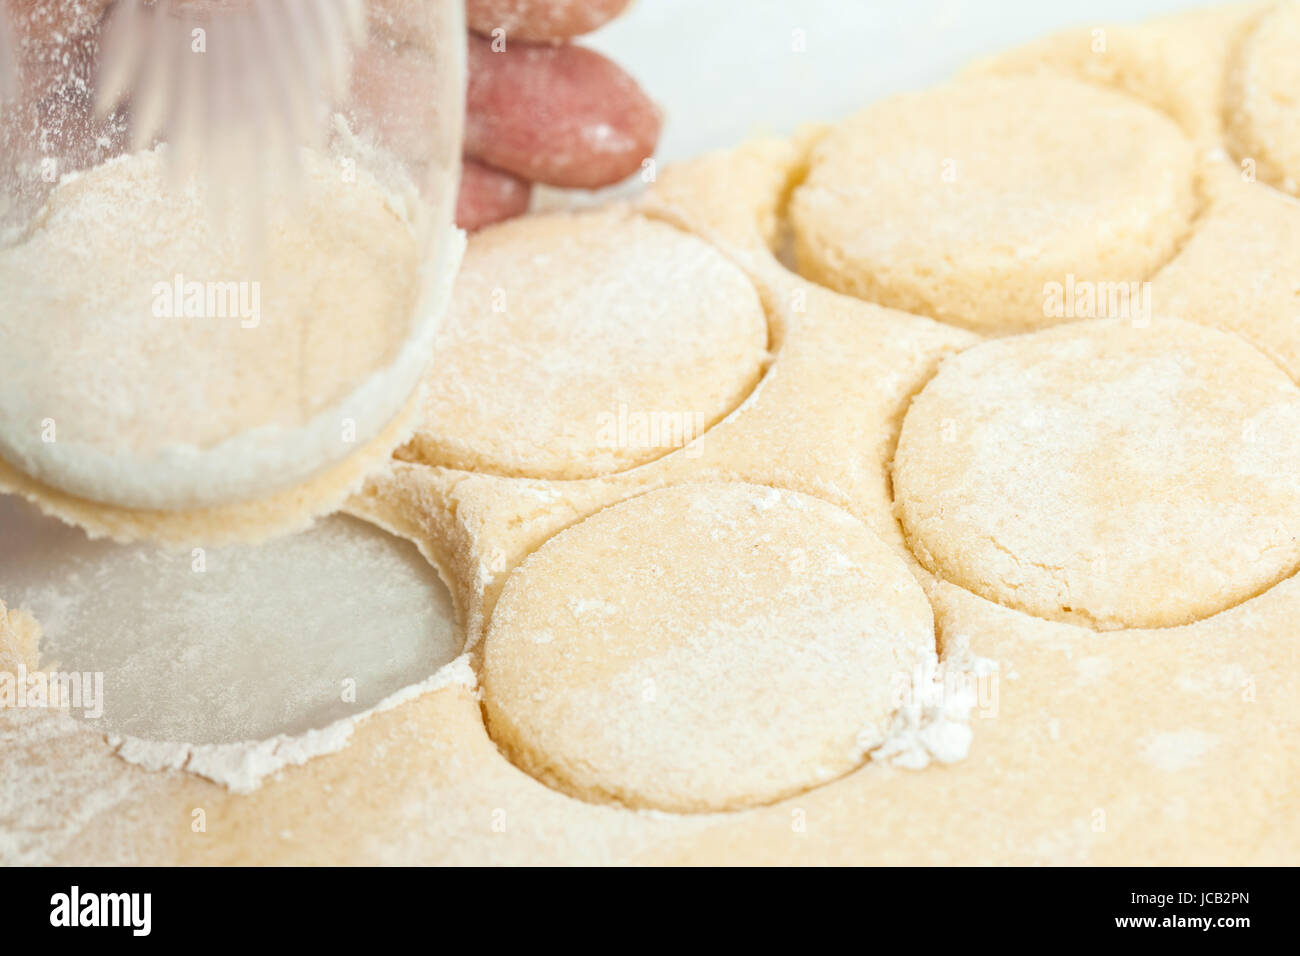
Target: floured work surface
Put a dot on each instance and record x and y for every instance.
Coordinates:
(1065, 704)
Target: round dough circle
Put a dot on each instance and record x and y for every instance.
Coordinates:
(1263, 105)
(154, 359)
(1106, 475)
(582, 345)
(964, 202)
(702, 647)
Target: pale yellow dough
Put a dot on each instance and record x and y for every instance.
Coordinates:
(1106, 475)
(1240, 270)
(1263, 100)
(964, 201)
(579, 345)
(433, 784)
(1179, 64)
(703, 647)
(1169, 745)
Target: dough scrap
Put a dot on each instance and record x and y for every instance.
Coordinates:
(703, 647)
(270, 368)
(1106, 475)
(582, 345)
(964, 201)
(1240, 270)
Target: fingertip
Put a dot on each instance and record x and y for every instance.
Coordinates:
(541, 21)
(489, 195)
(562, 115)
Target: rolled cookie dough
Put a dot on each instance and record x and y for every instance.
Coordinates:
(964, 201)
(1179, 64)
(581, 345)
(1106, 475)
(1263, 102)
(155, 359)
(703, 647)
(1240, 270)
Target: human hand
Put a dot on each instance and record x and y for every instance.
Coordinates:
(543, 110)
(539, 109)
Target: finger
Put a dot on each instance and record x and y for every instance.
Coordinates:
(561, 115)
(488, 195)
(540, 20)
(41, 23)
(51, 39)
(8, 61)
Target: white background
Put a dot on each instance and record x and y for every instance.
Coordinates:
(724, 70)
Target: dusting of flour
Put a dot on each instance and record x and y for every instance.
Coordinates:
(232, 662)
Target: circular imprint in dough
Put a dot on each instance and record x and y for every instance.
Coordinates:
(1106, 475)
(581, 345)
(966, 202)
(153, 359)
(1263, 108)
(230, 644)
(702, 647)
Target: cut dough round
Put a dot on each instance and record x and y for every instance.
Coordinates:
(243, 522)
(153, 360)
(965, 202)
(581, 345)
(1178, 63)
(1264, 98)
(1106, 475)
(703, 647)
